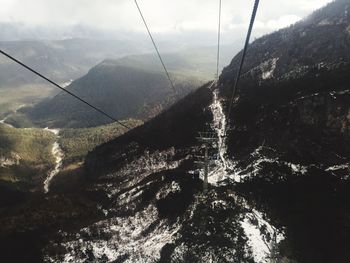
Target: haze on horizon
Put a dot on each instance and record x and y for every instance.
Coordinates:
(167, 19)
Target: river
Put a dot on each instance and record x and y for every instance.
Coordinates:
(3, 121)
(58, 154)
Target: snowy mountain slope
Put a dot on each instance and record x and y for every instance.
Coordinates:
(289, 129)
(320, 40)
(155, 209)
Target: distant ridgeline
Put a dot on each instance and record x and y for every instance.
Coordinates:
(122, 91)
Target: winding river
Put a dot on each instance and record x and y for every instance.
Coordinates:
(3, 122)
(58, 154)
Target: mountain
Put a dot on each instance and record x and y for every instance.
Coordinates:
(189, 67)
(321, 40)
(287, 160)
(68, 59)
(278, 182)
(199, 61)
(121, 90)
(61, 60)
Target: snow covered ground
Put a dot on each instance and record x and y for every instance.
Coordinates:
(139, 234)
(143, 166)
(268, 68)
(9, 161)
(126, 239)
(262, 236)
(224, 168)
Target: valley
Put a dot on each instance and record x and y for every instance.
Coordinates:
(28, 153)
(76, 187)
(32, 157)
(30, 107)
(68, 60)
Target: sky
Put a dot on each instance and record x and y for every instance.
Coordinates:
(164, 16)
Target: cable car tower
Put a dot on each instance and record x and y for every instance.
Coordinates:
(208, 141)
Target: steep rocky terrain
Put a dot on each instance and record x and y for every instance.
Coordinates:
(288, 141)
(293, 108)
(320, 40)
(279, 180)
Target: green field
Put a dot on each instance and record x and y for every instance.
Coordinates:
(30, 156)
(11, 98)
(29, 150)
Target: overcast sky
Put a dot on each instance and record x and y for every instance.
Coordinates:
(163, 16)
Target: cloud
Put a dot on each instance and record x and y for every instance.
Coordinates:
(314, 4)
(163, 16)
(278, 23)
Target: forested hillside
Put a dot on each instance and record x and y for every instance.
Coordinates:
(76, 143)
(122, 91)
(25, 157)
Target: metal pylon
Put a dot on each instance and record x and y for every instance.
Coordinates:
(207, 141)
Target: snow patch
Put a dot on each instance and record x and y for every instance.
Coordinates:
(223, 166)
(325, 22)
(348, 30)
(257, 164)
(297, 168)
(174, 187)
(263, 238)
(268, 68)
(219, 204)
(138, 238)
(338, 167)
(14, 159)
(67, 83)
(144, 166)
